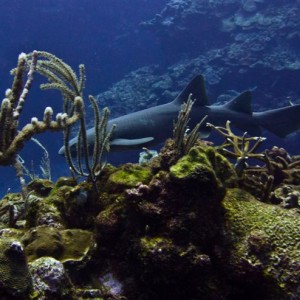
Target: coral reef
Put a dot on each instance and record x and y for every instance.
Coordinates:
(254, 27)
(50, 279)
(182, 226)
(279, 171)
(264, 246)
(177, 227)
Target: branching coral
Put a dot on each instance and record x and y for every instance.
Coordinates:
(258, 180)
(239, 147)
(279, 169)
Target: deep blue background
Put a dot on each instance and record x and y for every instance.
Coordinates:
(102, 34)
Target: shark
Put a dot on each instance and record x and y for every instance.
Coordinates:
(152, 126)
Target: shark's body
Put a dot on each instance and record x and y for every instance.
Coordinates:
(154, 125)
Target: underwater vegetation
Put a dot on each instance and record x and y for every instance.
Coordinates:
(60, 77)
(197, 221)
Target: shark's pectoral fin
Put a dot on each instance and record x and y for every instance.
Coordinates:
(131, 143)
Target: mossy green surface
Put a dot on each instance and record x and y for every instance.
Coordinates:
(78, 245)
(128, 176)
(64, 245)
(167, 232)
(44, 211)
(151, 245)
(190, 164)
(41, 187)
(265, 240)
(204, 163)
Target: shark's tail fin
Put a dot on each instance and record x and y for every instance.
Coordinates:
(281, 121)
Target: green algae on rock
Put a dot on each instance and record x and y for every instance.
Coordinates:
(44, 211)
(41, 187)
(65, 206)
(163, 229)
(205, 164)
(69, 245)
(128, 176)
(264, 245)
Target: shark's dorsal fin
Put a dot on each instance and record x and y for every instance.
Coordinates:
(241, 103)
(196, 87)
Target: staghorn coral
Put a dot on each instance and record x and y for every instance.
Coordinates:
(286, 196)
(276, 167)
(238, 147)
(279, 169)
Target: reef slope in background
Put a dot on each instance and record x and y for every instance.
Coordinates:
(236, 45)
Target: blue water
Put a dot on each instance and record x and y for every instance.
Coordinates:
(107, 36)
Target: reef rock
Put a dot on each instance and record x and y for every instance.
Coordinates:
(176, 228)
(50, 280)
(15, 279)
(262, 241)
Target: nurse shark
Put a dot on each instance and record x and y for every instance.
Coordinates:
(154, 125)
